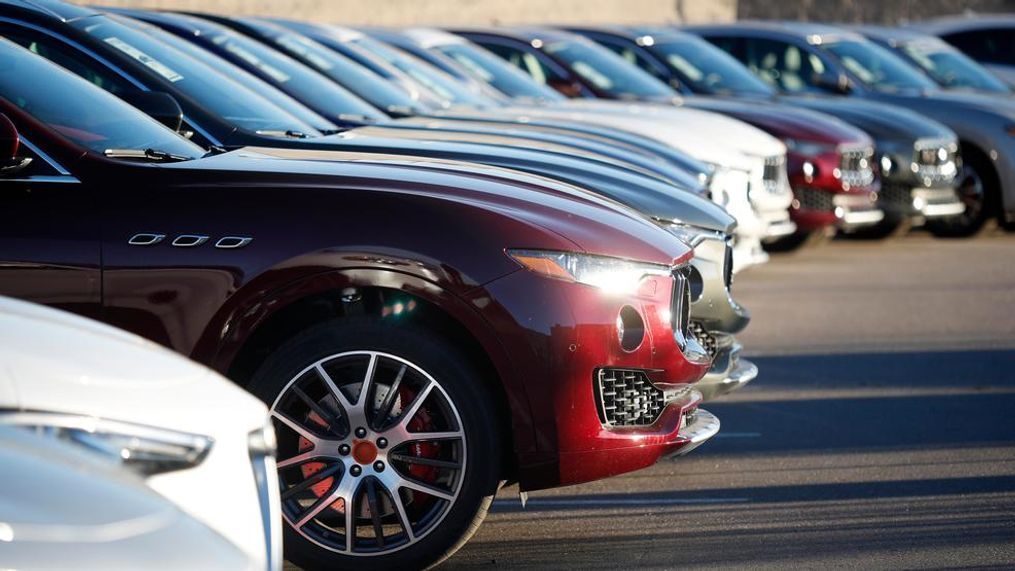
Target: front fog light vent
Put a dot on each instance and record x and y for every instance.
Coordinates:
(627, 398)
(630, 328)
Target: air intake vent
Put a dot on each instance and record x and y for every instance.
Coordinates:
(706, 339)
(626, 397)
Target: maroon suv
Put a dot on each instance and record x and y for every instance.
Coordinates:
(421, 329)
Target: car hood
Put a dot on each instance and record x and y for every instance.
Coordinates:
(601, 175)
(883, 121)
(950, 102)
(58, 362)
(784, 121)
(585, 221)
(706, 136)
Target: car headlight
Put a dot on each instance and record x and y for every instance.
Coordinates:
(809, 148)
(612, 275)
(146, 450)
(688, 234)
(728, 182)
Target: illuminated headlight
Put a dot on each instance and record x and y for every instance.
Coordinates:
(886, 165)
(146, 450)
(612, 275)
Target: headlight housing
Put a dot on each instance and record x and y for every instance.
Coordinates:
(146, 450)
(612, 275)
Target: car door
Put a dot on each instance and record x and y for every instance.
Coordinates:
(49, 235)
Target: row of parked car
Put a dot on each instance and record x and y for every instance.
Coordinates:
(443, 260)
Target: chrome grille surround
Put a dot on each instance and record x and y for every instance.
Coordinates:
(856, 165)
(680, 306)
(935, 160)
(706, 339)
(626, 397)
(772, 176)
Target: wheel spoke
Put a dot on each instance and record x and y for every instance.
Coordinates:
(381, 419)
(375, 512)
(368, 381)
(295, 426)
(403, 436)
(316, 407)
(343, 402)
(311, 481)
(403, 518)
(420, 487)
(434, 462)
(299, 458)
(409, 413)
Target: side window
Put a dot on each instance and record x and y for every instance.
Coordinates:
(632, 56)
(992, 46)
(783, 65)
(526, 60)
(68, 58)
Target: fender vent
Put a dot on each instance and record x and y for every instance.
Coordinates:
(626, 397)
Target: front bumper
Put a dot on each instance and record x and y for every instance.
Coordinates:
(904, 200)
(728, 372)
(700, 427)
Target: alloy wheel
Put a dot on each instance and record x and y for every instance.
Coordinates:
(372, 454)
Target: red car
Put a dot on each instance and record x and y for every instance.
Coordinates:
(421, 329)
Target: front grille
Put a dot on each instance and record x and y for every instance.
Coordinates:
(627, 398)
(680, 306)
(935, 160)
(856, 166)
(814, 199)
(772, 177)
(895, 194)
(706, 339)
(728, 265)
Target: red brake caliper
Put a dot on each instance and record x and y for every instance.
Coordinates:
(311, 468)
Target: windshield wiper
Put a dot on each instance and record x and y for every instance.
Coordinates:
(145, 155)
(279, 133)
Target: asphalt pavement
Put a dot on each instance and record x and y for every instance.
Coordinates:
(879, 434)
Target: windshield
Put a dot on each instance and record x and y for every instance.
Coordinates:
(491, 69)
(877, 67)
(430, 77)
(706, 69)
(220, 95)
(340, 69)
(91, 117)
(607, 71)
(952, 68)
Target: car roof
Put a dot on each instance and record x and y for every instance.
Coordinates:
(964, 23)
(525, 34)
(812, 32)
(894, 36)
(429, 37)
(51, 9)
(643, 35)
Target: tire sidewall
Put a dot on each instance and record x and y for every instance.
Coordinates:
(463, 386)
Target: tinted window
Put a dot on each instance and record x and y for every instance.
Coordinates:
(950, 67)
(526, 60)
(707, 69)
(631, 55)
(91, 117)
(986, 45)
(877, 67)
(427, 75)
(488, 68)
(607, 71)
(783, 65)
(222, 96)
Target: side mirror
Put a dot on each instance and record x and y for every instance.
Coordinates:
(10, 144)
(565, 87)
(834, 82)
(158, 105)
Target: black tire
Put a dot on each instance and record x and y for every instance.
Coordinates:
(463, 387)
(796, 241)
(979, 189)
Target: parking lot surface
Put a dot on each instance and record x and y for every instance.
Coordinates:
(880, 433)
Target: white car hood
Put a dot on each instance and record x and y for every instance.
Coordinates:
(54, 361)
(704, 135)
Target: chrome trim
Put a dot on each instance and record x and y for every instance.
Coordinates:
(232, 242)
(45, 158)
(189, 240)
(145, 239)
(703, 427)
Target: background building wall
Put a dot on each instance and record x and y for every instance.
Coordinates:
(873, 11)
(471, 12)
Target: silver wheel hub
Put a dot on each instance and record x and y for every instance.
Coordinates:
(372, 454)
